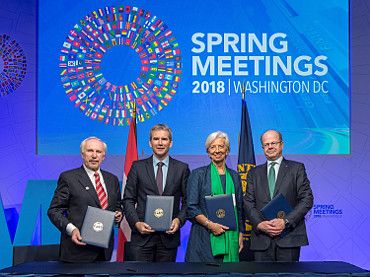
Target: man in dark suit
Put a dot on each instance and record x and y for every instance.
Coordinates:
(152, 176)
(291, 180)
(77, 189)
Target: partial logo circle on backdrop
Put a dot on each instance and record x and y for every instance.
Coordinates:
(103, 100)
(13, 65)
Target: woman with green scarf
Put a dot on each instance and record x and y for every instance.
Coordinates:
(210, 241)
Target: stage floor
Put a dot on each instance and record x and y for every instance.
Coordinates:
(332, 268)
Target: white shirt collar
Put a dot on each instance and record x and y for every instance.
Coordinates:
(91, 172)
(277, 161)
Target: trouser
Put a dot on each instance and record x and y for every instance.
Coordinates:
(276, 253)
(153, 251)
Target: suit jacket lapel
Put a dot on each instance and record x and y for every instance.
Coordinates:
(150, 172)
(283, 169)
(208, 182)
(265, 182)
(170, 176)
(109, 187)
(85, 181)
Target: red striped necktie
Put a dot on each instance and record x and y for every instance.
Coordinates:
(100, 191)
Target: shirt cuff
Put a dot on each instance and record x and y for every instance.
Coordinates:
(69, 229)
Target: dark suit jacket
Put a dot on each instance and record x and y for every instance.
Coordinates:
(69, 204)
(140, 183)
(293, 183)
(199, 186)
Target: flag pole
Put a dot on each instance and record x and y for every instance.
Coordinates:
(246, 160)
(124, 232)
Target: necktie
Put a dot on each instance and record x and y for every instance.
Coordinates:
(159, 178)
(100, 191)
(272, 179)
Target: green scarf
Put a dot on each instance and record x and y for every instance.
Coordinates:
(226, 244)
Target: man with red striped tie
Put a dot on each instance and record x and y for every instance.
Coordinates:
(78, 188)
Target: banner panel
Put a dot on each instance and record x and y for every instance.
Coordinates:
(185, 64)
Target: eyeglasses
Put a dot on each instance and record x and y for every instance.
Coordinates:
(273, 144)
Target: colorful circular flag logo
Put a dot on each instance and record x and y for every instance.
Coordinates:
(87, 80)
(12, 65)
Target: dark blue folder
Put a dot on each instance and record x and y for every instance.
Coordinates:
(97, 227)
(158, 212)
(220, 209)
(278, 207)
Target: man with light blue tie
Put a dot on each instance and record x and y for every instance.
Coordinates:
(157, 175)
(264, 182)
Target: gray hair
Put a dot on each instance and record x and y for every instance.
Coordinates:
(215, 135)
(83, 143)
(159, 127)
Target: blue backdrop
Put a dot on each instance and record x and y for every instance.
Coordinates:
(95, 58)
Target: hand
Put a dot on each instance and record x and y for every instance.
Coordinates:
(270, 227)
(217, 229)
(76, 237)
(143, 228)
(279, 223)
(118, 216)
(175, 225)
(241, 242)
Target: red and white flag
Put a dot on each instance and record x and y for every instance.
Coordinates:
(124, 232)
